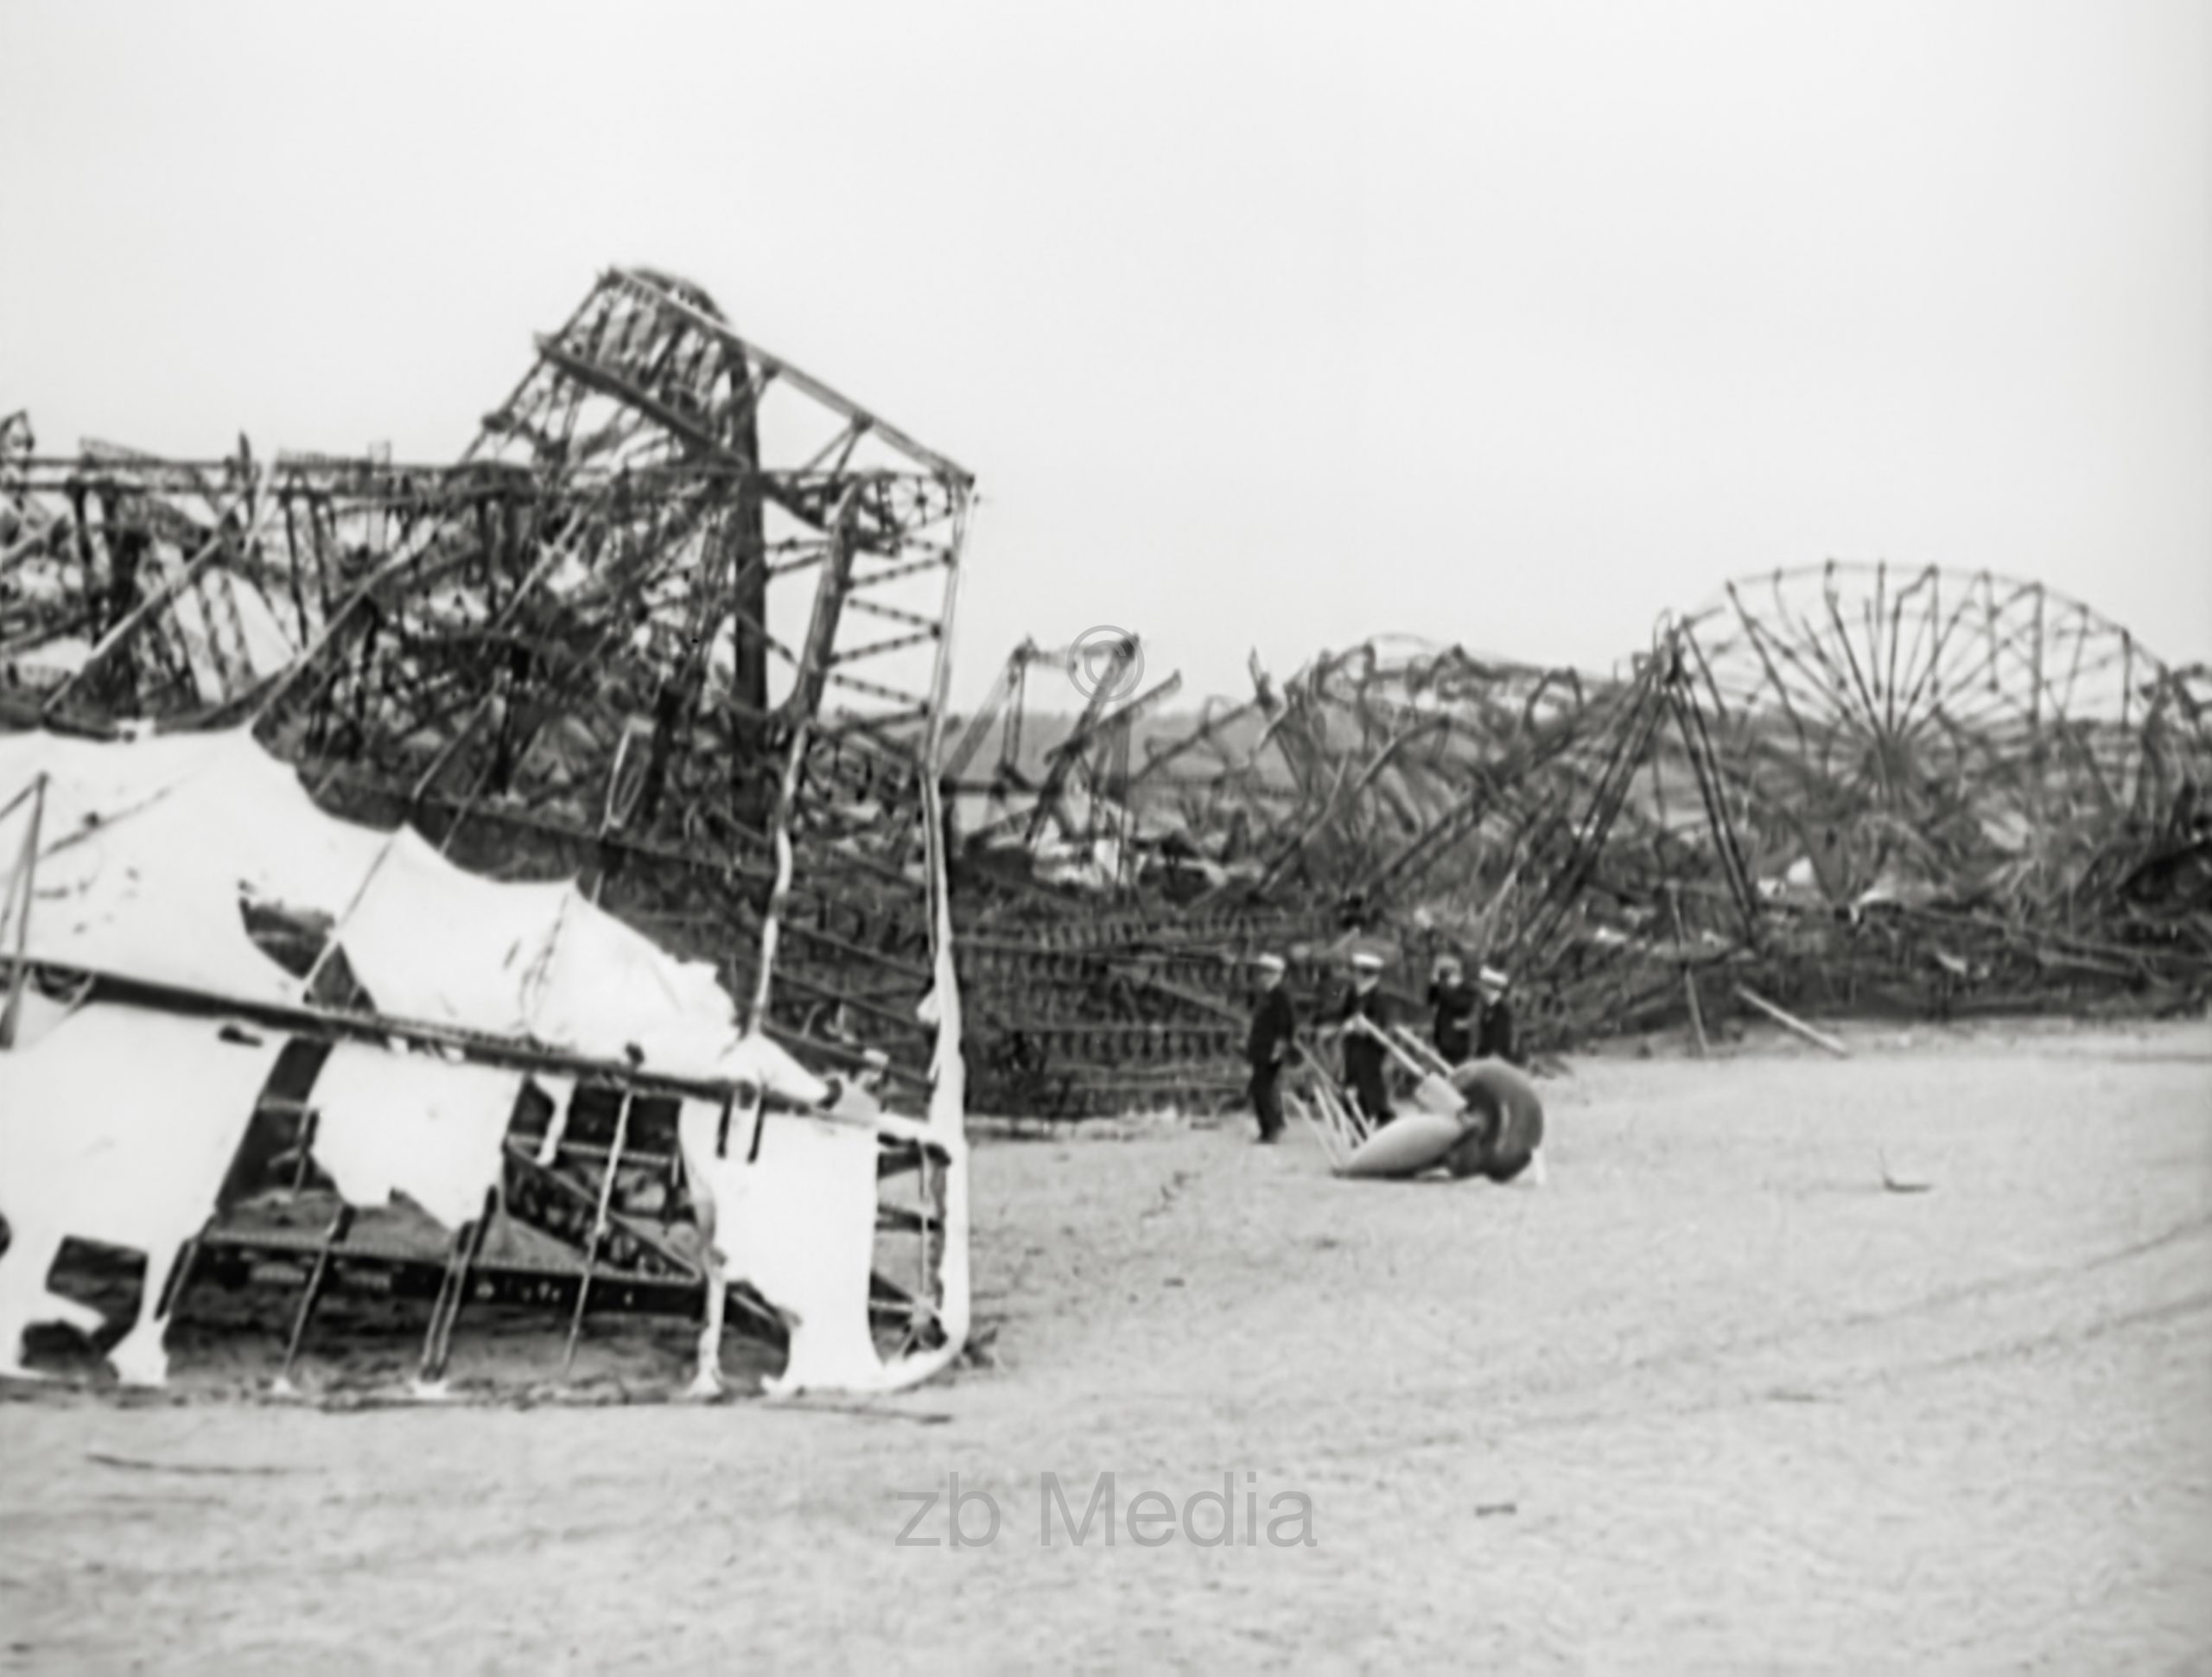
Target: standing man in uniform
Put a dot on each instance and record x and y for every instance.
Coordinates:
(1364, 1055)
(1454, 1006)
(1494, 1025)
(1275, 1024)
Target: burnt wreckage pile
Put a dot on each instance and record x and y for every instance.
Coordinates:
(676, 625)
(678, 601)
(1842, 789)
(677, 614)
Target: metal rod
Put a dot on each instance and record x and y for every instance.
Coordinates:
(467, 1246)
(180, 1272)
(598, 1236)
(339, 1227)
(25, 882)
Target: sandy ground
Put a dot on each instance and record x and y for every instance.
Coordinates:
(1713, 1400)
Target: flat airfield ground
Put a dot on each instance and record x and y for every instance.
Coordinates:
(1714, 1399)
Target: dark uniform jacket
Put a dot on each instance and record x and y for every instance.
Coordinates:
(1494, 1032)
(1273, 1021)
(1454, 1007)
(1358, 1045)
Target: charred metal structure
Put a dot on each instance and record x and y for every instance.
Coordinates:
(1852, 788)
(677, 623)
(677, 604)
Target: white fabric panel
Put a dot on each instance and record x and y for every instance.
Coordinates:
(425, 1126)
(92, 782)
(434, 942)
(799, 1224)
(137, 901)
(603, 985)
(119, 1125)
(148, 846)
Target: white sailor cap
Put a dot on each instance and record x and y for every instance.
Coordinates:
(1491, 979)
(1271, 961)
(1367, 960)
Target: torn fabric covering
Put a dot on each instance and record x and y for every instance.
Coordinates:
(132, 901)
(603, 987)
(124, 882)
(423, 1125)
(764, 1063)
(117, 1126)
(161, 841)
(431, 941)
(92, 783)
(799, 1222)
(149, 847)
(559, 1092)
(219, 794)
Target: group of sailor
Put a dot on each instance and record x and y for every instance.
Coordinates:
(1467, 1022)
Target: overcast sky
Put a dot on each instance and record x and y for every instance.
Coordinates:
(1262, 325)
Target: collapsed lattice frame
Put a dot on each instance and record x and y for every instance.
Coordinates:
(1736, 804)
(679, 605)
(678, 622)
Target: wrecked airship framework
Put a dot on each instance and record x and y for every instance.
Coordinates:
(1846, 788)
(676, 625)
